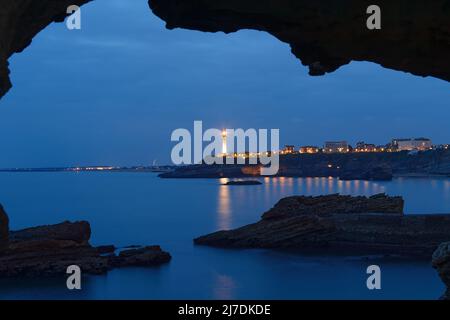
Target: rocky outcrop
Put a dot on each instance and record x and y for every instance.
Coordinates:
(20, 21)
(325, 35)
(243, 183)
(441, 262)
(334, 203)
(49, 250)
(340, 224)
(140, 257)
(79, 232)
(4, 228)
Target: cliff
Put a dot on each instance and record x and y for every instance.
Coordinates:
(340, 224)
(356, 166)
(49, 250)
(326, 35)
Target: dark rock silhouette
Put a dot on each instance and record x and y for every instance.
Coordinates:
(140, 257)
(49, 250)
(20, 21)
(106, 249)
(335, 203)
(340, 224)
(326, 35)
(243, 183)
(4, 228)
(441, 262)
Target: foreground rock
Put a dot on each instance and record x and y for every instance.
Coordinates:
(323, 35)
(49, 250)
(340, 224)
(4, 228)
(326, 35)
(441, 262)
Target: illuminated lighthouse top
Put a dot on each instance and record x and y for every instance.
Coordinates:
(224, 142)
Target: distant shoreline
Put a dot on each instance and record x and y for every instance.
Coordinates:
(165, 169)
(420, 175)
(156, 169)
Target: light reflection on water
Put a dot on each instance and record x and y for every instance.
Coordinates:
(131, 208)
(421, 195)
(224, 287)
(224, 207)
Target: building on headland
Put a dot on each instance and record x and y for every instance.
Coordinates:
(369, 147)
(289, 149)
(396, 145)
(309, 149)
(416, 144)
(336, 147)
(365, 147)
(441, 147)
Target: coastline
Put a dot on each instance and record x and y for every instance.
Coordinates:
(345, 166)
(421, 175)
(62, 170)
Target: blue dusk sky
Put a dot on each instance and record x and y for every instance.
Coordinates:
(113, 92)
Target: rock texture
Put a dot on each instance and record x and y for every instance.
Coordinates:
(441, 262)
(20, 21)
(334, 203)
(49, 250)
(340, 224)
(4, 228)
(324, 35)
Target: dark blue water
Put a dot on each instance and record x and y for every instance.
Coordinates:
(139, 208)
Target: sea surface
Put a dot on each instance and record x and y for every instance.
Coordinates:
(139, 208)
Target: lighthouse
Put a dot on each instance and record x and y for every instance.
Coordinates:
(224, 142)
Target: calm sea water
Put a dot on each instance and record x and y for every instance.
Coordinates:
(139, 208)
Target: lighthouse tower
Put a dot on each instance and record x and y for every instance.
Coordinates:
(224, 142)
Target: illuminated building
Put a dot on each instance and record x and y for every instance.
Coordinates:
(309, 149)
(366, 147)
(336, 147)
(288, 149)
(419, 144)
